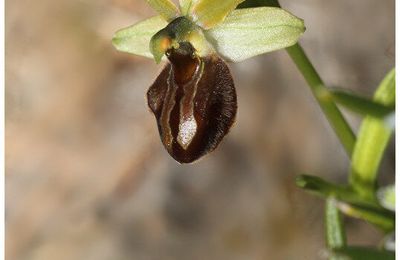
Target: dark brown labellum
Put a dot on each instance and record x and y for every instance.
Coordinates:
(194, 102)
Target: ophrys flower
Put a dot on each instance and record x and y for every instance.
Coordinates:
(194, 98)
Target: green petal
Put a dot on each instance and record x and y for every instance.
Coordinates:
(135, 39)
(165, 8)
(185, 6)
(159, 43)
(253, 31)
(179, 30)
(209, 13)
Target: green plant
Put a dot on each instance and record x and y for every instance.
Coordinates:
(216, 28)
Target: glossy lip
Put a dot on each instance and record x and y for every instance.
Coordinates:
(196, 88)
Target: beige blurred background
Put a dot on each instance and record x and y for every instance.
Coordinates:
(87, 176)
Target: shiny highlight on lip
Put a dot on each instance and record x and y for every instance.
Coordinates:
(187, 130)
(194, 103)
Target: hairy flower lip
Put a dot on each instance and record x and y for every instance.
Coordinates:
(194, 103)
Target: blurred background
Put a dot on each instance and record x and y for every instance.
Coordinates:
(87, 176)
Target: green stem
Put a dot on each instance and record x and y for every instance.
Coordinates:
(334, 227)
(335, 232)
(373, 137)
(317, 86)
(321, 94)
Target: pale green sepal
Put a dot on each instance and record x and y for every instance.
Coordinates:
(135, 39)
(209, 13)
(165, 8)
(253, 31)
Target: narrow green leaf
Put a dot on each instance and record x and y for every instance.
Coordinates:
(387, 197)
(326, 189)
(348, 201)
(360, 105)
(319, 186)
(380, 217)
(165, 8)
(334, 230)
(136, 38)
(253, 31)
(385, 94)
(373, 137)
(209, 13)
(364, 253)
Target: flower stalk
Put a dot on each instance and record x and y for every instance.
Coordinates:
(321, 94)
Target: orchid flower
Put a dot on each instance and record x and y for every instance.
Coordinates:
(194, 98)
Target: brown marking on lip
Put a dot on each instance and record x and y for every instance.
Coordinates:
(192, 88)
